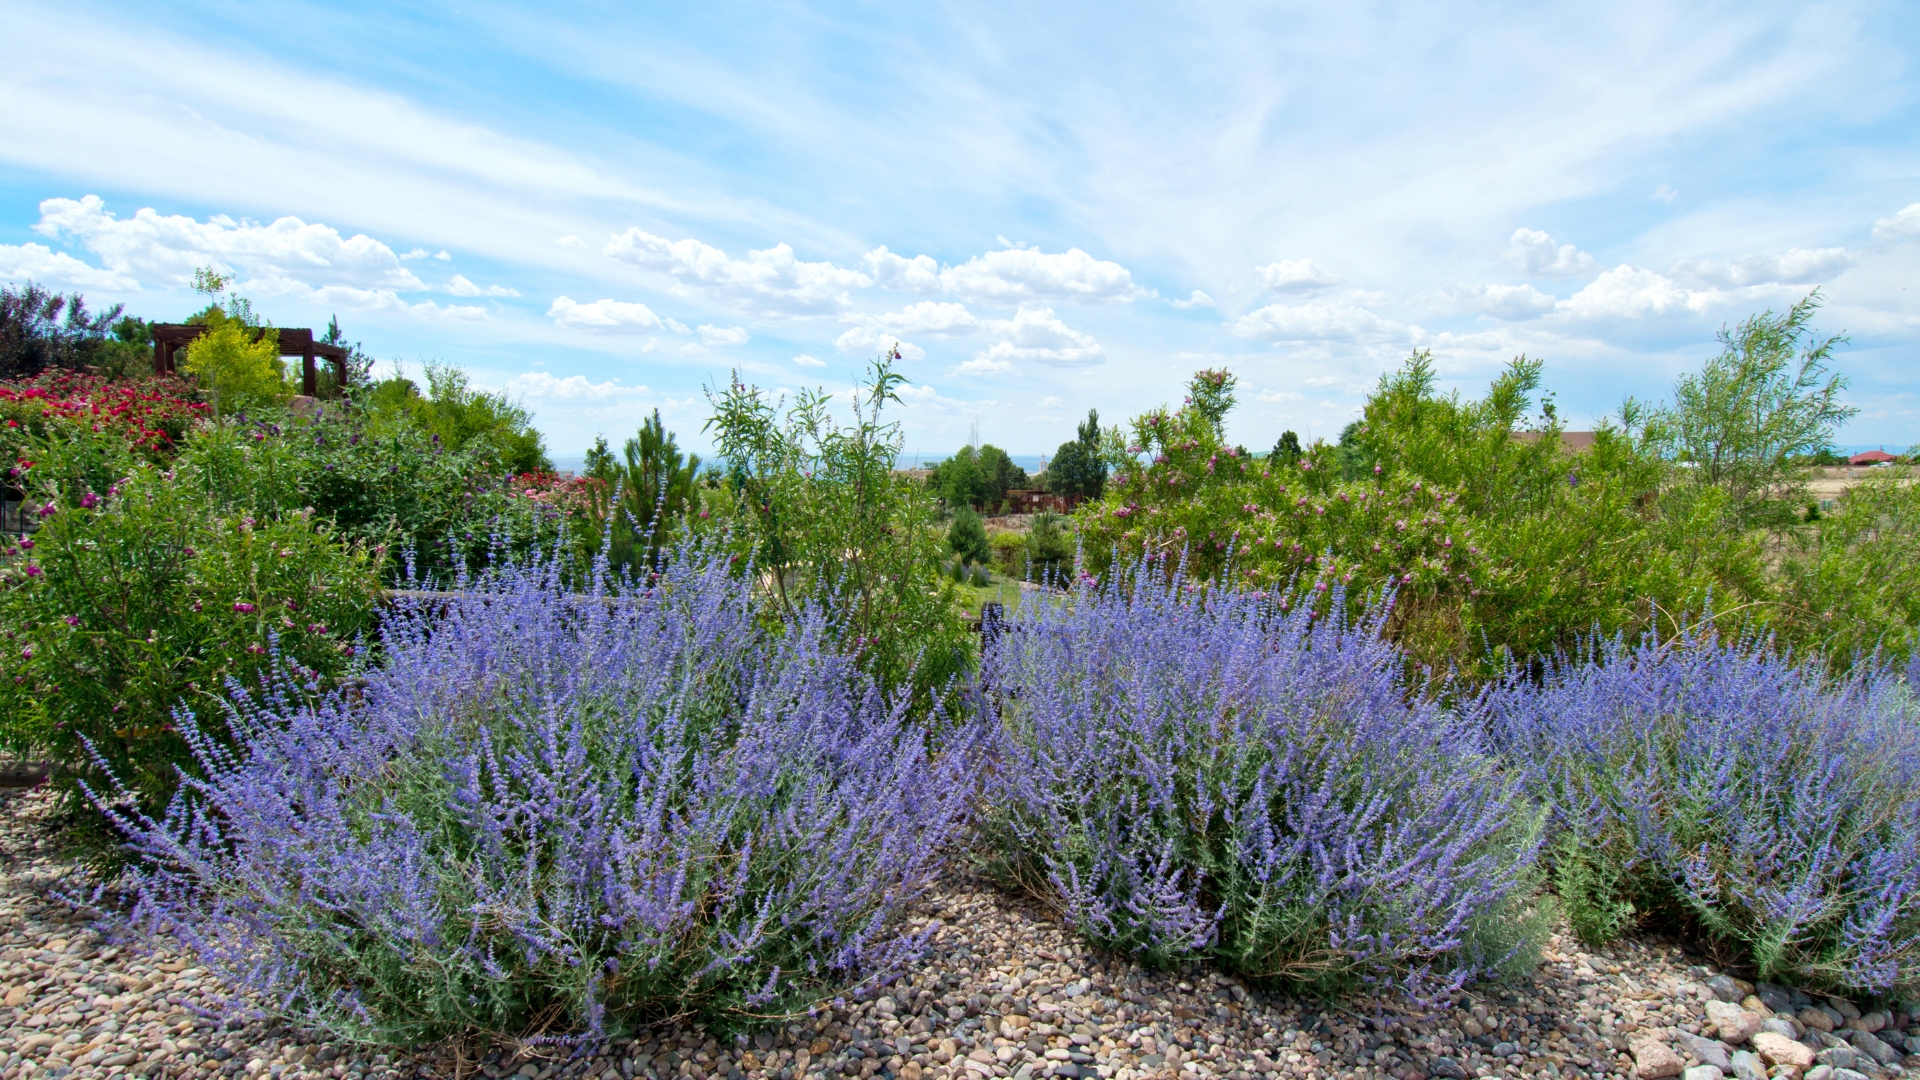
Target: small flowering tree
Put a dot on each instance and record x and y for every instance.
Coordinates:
(130, 600)
(559, 812)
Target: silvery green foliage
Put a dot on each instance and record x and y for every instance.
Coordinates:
(1734, 791)
(1195, 773)
(559, 812)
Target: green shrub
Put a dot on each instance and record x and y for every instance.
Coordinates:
(136, 600)
(1496, 539)
(967, 538)
(383, 484)
(1851, 581)
(816, 509)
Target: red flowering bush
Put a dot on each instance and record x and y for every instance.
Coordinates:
(151, 415)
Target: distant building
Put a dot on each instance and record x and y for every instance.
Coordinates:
(1871, 457)
(1034, 501)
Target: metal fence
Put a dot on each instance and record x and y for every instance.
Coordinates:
(14, 518)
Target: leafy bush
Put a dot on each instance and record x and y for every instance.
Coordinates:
(133, 599)
(1497, 540)
(489, 427)
(976, 478)
(562, 812)
(816, 508)
(1009, 553)
(967, 537)
(1851, 579)
(41, 330)
(237, 364)
(383, 485)
(1726, 790)
(1219, 778)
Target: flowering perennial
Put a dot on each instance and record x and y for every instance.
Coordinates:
(1725, 789)
(1199, 773)
(559, 812)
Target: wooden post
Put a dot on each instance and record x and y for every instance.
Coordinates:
(307, 381)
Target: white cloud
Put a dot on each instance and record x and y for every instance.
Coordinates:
(542, 386)
(871, 340)
(1795, 267)
(460, 286)
(770, 279)
(1318, 320)
(37, 262)
(1197, 300)
(1295, 275)
(569, 241)
(1036, 335)
(603, 316)
(1535, 252)
(1665, 193)
(985, 365)
(927, 318)
(723, 335)
(416, 253)
(805, 361)
(443, 256)
(678, 327)
(1277, 397)
(166, 250)
(1011, 274)
(1510, 302)
(378, 300)
(1051, 402)
(1900, 226)
(1628, 292)
(1028, 273)
(918, 274)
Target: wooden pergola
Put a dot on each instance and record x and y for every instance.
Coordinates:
(169, 338)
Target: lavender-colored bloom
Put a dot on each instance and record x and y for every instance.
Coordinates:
(1726, 786)
(1203, 774)
(577, 811)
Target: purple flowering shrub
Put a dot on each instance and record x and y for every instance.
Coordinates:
(1725, 789)
(1193, 773)
(560, 812)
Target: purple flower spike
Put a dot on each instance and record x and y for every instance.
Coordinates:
(1736, 790)
(621, 804)
(1204, 774)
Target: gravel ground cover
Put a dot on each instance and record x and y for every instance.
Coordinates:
(1005, 992)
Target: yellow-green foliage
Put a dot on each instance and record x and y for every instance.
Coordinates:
(237, 366)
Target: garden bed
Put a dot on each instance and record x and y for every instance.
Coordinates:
(1003, 992)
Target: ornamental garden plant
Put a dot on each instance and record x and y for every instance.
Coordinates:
(1736, 794)
(135, 601)
(558, 810)
(1210, 775)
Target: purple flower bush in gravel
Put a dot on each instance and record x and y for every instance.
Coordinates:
(1731, 792)
(559, 813)
(1191, 774)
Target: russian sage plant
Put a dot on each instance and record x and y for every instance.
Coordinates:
(1726, 789)
(555, 812)
(1205, 774)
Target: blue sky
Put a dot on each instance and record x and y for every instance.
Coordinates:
(603, 209)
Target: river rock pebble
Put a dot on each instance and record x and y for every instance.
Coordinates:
(1005, 992)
